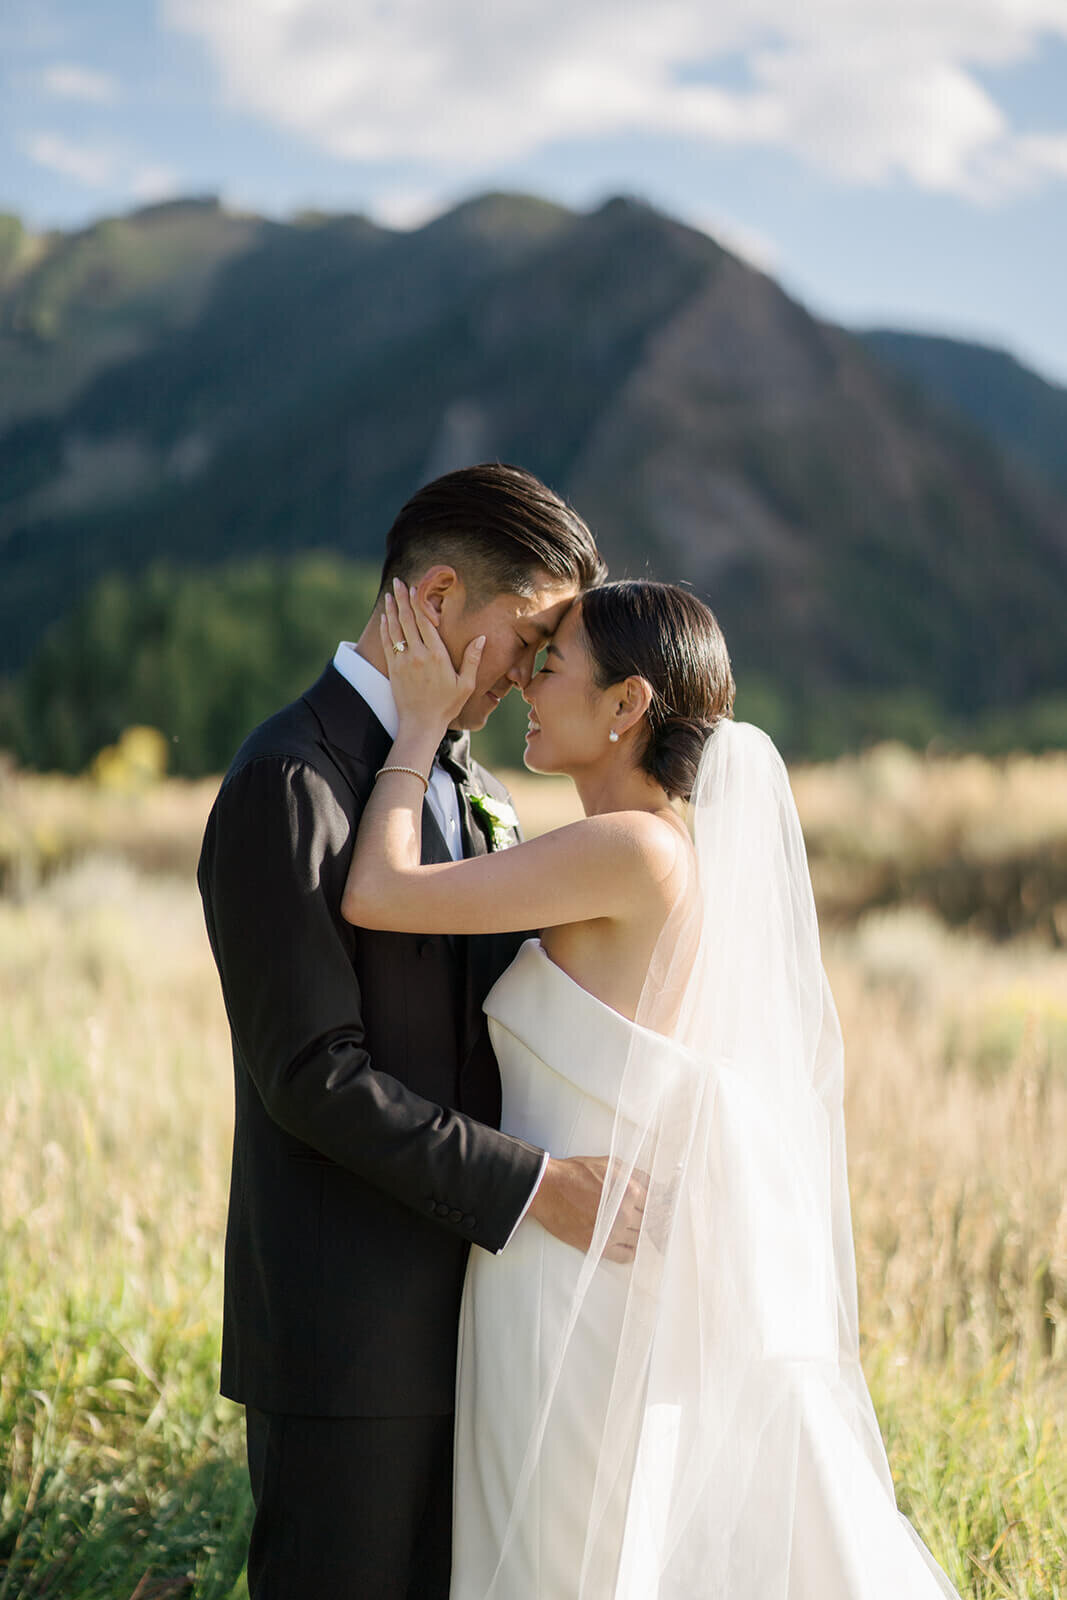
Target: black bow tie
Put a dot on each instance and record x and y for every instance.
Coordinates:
(454, 750)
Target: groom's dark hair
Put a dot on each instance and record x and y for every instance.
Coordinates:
(499, 526)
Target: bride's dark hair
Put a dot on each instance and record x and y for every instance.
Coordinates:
(664, 634)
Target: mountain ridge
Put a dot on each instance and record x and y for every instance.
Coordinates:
(852, 526)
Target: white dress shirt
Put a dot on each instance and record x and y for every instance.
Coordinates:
(374, 687)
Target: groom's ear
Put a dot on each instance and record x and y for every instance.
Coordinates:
(633, 698)
(439, 587)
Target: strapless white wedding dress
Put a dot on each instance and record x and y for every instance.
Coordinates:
(562, 1053)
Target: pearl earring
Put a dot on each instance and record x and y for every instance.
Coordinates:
(613, 736)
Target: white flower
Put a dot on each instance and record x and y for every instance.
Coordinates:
(500, 817)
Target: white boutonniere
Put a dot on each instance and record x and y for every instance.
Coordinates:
(498, 817)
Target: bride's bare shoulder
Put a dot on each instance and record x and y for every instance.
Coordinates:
(655, 844)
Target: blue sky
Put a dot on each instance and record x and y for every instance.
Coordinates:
(901, 165)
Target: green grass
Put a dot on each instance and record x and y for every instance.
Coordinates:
(980, 1466)
(122, 1467)
(122, 1471)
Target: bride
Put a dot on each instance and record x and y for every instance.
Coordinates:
(678, 1411)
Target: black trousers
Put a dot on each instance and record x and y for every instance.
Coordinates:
(349, 1508)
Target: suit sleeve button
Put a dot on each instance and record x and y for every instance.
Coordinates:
(455, 1216)
(442, 1208)
(468, 1222)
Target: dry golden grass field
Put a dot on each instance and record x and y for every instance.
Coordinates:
(120, 1469)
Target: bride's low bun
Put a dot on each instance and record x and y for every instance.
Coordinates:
(673, 753)
(664, 634)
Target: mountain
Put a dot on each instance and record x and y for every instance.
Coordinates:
(1018, 410)
(74, 304)
(187, 384)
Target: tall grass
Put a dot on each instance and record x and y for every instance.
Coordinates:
(121, 1465)
(121, 1470)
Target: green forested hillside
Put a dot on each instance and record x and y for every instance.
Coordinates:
(202, 656)
(74, 304)
(270, 389)
(1013, 406)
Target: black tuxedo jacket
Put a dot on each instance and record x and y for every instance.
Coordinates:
(366, 1157)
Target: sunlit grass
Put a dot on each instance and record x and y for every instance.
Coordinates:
(121, 1471)
(120, 1459)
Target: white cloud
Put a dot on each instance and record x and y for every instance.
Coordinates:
(103, 165)
(868, 91)
(68, 81)
(751, 244)
(406, 208)
(1045, 153)
(92, 165)
(150, 181)
(868, 119)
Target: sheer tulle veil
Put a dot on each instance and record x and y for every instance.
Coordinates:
(740, 1456)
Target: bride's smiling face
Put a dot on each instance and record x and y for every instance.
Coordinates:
(570, 718)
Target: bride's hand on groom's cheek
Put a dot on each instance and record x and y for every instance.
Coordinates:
(426, 686)
(568, 1200)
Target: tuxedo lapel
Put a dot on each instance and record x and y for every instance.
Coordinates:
(357, 744)
(474, 839)
(352, 737)
(483, 960)
(434, 848)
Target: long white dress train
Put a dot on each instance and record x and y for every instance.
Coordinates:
(814, 1517)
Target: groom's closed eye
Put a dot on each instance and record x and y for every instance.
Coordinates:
(529, 644)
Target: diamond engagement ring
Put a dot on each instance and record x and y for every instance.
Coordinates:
(398, 649)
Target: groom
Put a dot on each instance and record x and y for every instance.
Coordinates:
(366, 1157)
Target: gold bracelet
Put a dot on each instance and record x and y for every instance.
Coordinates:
(412, 772)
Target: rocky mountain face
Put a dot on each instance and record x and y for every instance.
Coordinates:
(192, 385)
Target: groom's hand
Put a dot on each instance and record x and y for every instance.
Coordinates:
(568, 1200)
